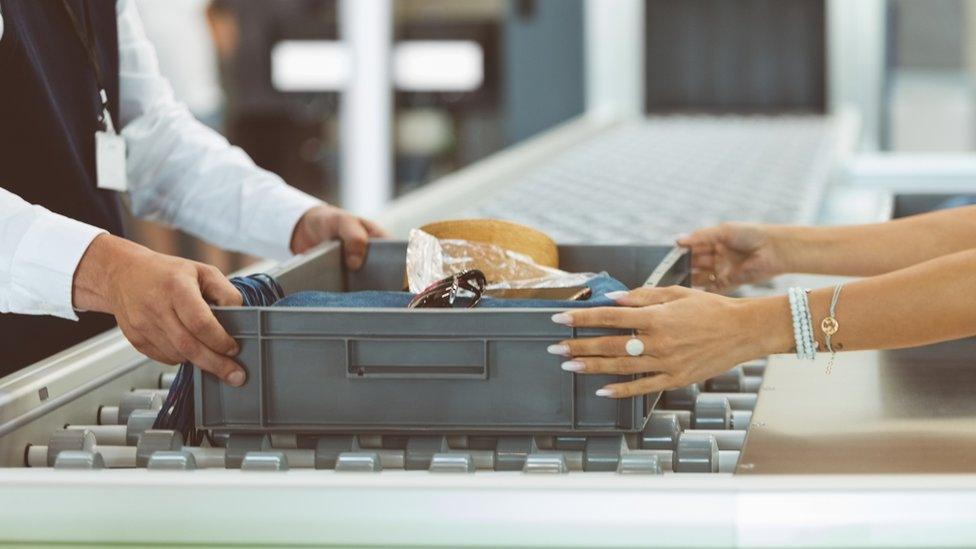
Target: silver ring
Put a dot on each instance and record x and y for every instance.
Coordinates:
(634, 347)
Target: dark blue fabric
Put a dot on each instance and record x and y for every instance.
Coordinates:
(259, 290)
(49, 110)
(600, 285)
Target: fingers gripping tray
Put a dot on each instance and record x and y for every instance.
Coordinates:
(318, 371)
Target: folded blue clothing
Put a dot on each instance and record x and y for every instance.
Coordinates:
(600, 285)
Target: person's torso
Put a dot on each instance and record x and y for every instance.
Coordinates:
(49, 111)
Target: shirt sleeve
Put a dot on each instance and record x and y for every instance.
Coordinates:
(183, 173)
(39, 253)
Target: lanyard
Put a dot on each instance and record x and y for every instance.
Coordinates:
(87, 38)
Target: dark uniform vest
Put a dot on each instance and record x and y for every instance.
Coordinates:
(49, 110)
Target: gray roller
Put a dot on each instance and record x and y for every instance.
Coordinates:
(682, 398)
(727, 439)
(358, 462)
(511, 452)
(298, 458)
(79, 459)
(328, 448)
(661, 432)
(155, 440)
(138, 423)
(285, 441)
(545, 463)
(239, 444)
(369, 441)
(121, 435)
(638, 463)
(483, 459)
(137, 400)
(741, 419)
(207, 458)
(602, 453)
(696, 453)
(731, 381)
(69, 439)
(111, 435)
(421, 449)
(740, 401)
(684, 416)
(569, 442)
(452, 463)
(390, 459)
(219, 438)
(264, 461)
(712, 412)
(457, 442)
(118, 457)
(172, 460)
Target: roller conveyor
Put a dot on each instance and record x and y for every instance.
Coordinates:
(701, 438)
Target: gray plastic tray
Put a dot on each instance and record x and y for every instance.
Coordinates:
(316, 370)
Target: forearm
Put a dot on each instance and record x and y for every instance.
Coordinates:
(925, 303)
(185, 174)
(39, 253)
(867, 250)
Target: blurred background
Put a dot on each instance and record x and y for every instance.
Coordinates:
(465, 79)
(267, 74)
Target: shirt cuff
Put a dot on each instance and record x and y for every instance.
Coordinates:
(45, 262)
(284, 207)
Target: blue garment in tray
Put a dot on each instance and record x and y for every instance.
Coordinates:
(601, 285)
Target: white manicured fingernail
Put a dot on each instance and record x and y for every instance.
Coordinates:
(558, 349)
(604, 392)
(573, 366)
(562, 318)
(616, 296)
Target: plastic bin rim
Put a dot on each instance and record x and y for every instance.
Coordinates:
(400, 310)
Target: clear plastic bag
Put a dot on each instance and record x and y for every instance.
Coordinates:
(430, 260)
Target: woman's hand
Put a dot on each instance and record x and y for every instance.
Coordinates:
(327, 223)
(688, 336)
(732, 254)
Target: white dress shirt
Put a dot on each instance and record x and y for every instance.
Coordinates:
(180, 172)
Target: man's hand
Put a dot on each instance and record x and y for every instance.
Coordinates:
(160, 303)
(327, 223)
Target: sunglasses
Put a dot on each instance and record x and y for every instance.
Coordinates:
(443, 293)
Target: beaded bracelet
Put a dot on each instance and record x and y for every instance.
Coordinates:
(802, 323)
(800, 326)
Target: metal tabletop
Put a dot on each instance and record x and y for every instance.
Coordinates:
(907, 411)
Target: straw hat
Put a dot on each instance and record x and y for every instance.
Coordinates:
(505, 234)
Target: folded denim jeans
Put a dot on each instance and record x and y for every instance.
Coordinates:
(600, 286)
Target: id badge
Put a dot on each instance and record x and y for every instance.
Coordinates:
(110, 161)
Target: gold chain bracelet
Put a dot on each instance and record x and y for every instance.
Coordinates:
(830, 325)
